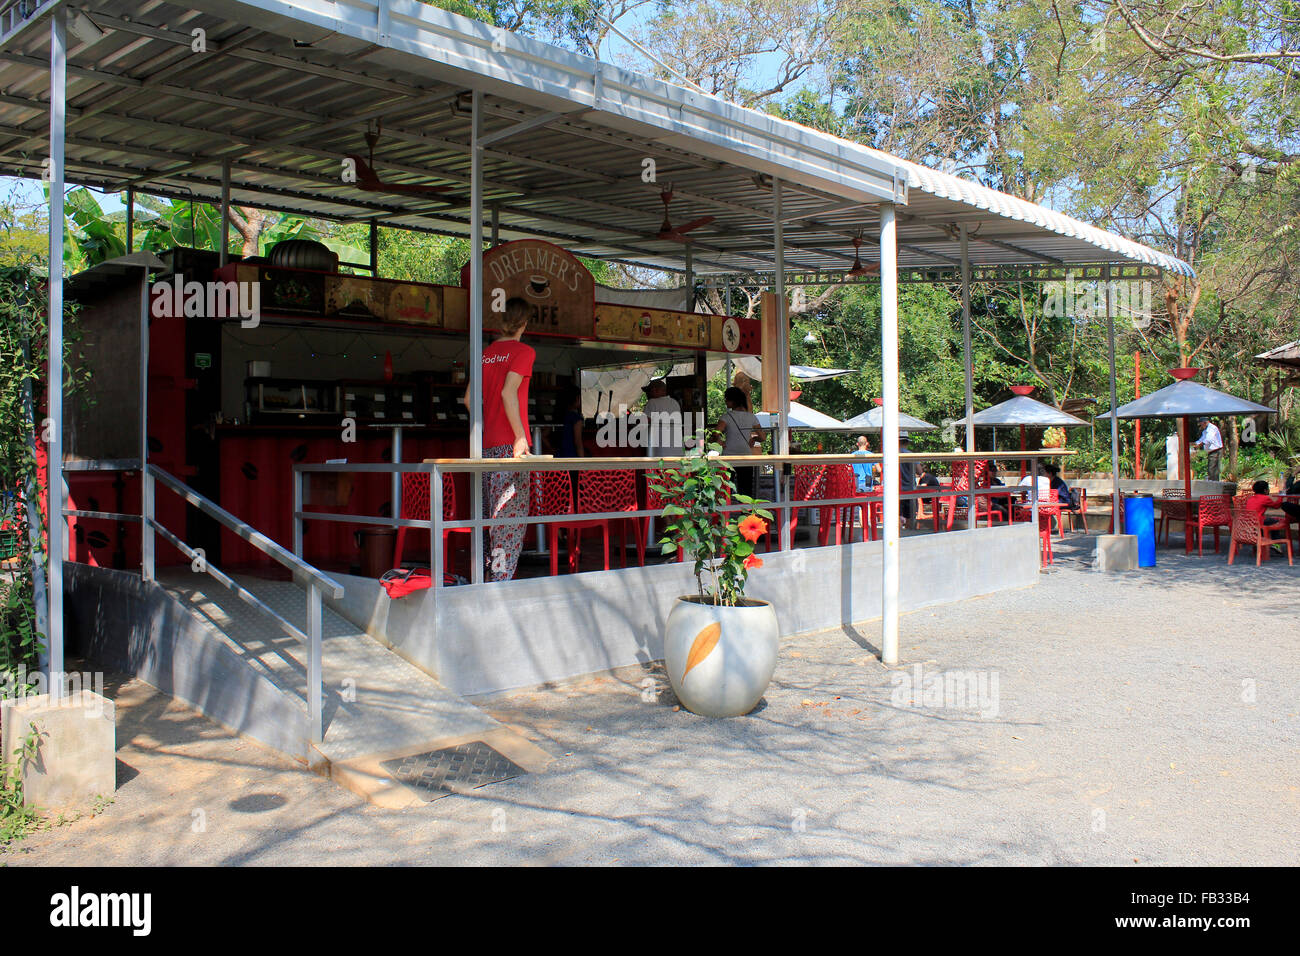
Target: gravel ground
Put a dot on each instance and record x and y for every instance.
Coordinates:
(1149, 717)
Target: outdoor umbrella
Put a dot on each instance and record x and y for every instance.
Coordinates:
(873, 418)
(1024, 411)
(1185, 399)
(803, 418)
(752, 366)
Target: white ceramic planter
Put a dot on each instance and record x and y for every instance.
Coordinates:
(720, 659)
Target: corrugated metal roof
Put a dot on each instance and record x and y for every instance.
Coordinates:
(287, 90)
(1284, 356)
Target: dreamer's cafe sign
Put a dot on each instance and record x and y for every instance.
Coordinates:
(551, 280)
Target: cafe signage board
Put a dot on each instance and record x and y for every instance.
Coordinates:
(552, 280)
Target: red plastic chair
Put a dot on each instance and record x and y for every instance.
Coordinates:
(653, 499)
(1171, 511)
(809, 484)
(551, 493)
(840, 483)
(1213, 511)
(1247, 529)
(961, 488)
(606, 491)
(1049, 510)
(415, 507)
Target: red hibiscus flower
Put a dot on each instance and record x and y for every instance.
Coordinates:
(752, 528)
(753, 561)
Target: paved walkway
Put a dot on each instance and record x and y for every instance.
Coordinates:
(1148, 717)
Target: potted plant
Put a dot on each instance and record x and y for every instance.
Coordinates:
(1054, 437)
(720, 647)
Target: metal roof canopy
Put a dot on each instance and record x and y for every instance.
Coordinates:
(285, 90)
(1023, 410)
(1186, 398)
(1284, 356)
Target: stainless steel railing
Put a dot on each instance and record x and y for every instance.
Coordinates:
(316, 582)
(435, 524)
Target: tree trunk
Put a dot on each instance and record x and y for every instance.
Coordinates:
(1233, 445)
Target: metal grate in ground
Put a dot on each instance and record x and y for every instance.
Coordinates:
(452, 770)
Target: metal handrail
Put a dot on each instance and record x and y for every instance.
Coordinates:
(316, 580)
(248, 597)
(258, 540)
(435, 468)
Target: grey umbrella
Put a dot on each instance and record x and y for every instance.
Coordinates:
(871, 421)
(1026, 412)
(1185, 399)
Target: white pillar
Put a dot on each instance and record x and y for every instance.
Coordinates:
(54, 399)
(783, 340)
(475, 330)
(781, 439)
(889, 431)
(967, 361)
(476, 279)
(225, 210)
(1117, 515)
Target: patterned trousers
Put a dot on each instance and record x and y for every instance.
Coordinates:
(505, 494)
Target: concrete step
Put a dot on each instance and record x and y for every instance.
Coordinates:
(377, 706)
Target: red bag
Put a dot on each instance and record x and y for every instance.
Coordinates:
(399, 583)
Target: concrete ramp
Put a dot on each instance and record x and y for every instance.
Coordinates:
(229, 661)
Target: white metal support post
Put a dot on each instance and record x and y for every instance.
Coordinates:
(967, 361)
(889, 431)
(315, 710)
(225, 211)
(1117, 516)
(475, 328)
(54, 399)
(781, 440)
(147, 569)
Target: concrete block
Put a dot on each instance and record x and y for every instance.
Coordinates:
(1117, 552)
(76, 757)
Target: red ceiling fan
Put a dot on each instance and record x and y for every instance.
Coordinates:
(672, 233)
(858, 268)
(369, 181)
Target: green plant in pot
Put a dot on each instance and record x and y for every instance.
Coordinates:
(720, 647)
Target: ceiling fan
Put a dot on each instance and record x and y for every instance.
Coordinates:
(858, 268)
(670, 233)
(369, 181)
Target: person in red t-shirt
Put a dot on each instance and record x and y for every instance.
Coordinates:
(1260, 501)
(507, 367)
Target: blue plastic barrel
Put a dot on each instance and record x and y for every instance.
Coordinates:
(1140, 520)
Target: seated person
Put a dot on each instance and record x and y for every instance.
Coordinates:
(1063, 493)
(993, 475)
(1044, 485)
(865, 474)
(927, 479)
(1260, 501)
(1291, 486)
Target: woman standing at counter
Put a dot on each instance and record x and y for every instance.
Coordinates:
(507, 367)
